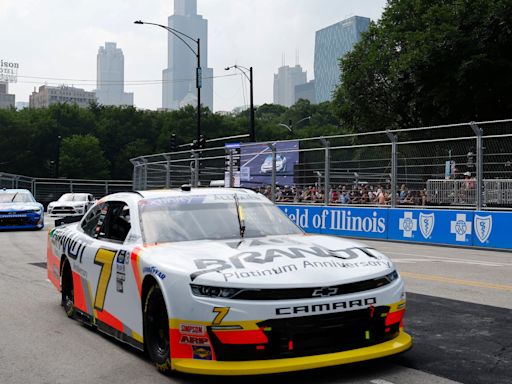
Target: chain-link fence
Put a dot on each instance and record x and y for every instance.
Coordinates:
(47, 190)
(460, 165)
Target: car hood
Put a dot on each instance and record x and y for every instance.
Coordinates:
(274, 261)
(9, 207)
(67, 203)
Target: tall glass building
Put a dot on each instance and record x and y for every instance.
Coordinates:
(179, 78)
(331, 43)
(110, 77)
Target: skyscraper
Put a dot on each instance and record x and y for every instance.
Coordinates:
(331, 43)
(284, 84)
(179, 78)
(6, 100)
(110, 77)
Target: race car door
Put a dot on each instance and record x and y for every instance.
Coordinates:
(114, 293)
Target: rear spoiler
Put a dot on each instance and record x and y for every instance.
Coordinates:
(67, 220)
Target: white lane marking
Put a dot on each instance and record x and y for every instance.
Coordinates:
(380, 381)
(488, 263)
(411, 260)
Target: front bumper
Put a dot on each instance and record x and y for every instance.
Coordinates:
(399, 344)
(21, 221)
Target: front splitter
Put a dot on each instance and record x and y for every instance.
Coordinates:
(260, 367)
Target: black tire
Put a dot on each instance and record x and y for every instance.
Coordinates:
(68, 297)
(156, 330)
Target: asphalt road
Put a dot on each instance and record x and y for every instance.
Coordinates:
(459, 314)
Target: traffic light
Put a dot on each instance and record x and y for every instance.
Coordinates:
(174, 143)
(202, 142)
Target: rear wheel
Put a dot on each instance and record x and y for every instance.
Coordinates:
(68, 298)
(156, 329)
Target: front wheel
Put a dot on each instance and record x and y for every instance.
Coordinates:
(156, 330)
(68, 297)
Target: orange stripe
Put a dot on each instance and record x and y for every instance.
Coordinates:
(136, 269)
(109, 319)
(242, 337)
(394, 317)
(78, 293)
(51, 261)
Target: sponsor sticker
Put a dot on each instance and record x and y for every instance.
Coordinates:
(201, 353)
(194, 340)
(193, 329)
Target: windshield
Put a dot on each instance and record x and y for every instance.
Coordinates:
(73, 197)
(212, 217)
(16, 197)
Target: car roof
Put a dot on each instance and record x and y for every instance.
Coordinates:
(193, 192)
(13, 190)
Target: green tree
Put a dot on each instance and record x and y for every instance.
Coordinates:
(429, 62)
(82, 157)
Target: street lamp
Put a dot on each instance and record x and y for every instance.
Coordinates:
(290, 125)
(179, 35)
(244, 70)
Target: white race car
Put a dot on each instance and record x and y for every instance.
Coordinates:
(266, 167)
(219, 281)
(71, 204)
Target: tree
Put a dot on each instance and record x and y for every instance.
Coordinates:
(429, 62)
(82, 157)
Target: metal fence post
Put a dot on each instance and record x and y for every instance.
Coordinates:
(394, 177)
(145, 174)
(106, 187)
(194, 169)
(327, 180)
(479, 163)
(71, 186)
(273, 186)
(167, 171)
(231, 181)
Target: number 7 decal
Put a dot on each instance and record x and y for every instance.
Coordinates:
(105, 258)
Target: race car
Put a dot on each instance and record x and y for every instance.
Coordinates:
(71, 204)
(266, 167)
(19, 210)
(219, 281)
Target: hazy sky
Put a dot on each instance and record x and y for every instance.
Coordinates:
(56, 41)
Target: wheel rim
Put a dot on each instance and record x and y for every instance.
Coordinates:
(159, 329)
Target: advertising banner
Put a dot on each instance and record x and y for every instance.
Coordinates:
(465, 228)
(339, 221)
(492, 229)
(256, 164)
(435, 226)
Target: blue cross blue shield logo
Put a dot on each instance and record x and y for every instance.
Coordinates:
(483, 227)
(427, 222)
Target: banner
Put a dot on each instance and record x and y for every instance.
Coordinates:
(256, 164)
(466, 228)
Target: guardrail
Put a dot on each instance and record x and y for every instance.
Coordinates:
(46, 190)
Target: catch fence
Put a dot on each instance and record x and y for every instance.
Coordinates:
(46, 190)
(465, 165)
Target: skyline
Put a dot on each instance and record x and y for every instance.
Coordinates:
(57, 42)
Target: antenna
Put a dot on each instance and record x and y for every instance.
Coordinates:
(297, 57)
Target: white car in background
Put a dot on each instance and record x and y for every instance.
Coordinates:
(71, 204)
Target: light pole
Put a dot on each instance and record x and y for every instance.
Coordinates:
(244, 70)
(290, 125)
(179, 35)
(57, 159)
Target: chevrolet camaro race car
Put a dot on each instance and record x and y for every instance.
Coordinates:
(220, 281)
(19, 210)
(266, 167)
(71, 204)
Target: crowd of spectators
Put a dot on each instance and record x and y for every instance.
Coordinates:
(347, 194)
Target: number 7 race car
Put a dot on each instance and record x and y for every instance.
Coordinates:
(220, 281)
